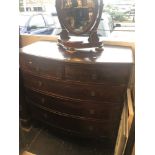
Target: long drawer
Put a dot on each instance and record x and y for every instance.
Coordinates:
(104, 111)
(41, 66)
(99, 73)
(85, 72)
(94, 92)
(85, 127)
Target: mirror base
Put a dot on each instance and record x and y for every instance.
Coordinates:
(80, 44)
(92, 53)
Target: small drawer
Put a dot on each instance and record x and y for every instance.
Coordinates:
(41, 66)
(104, 111)
(98, 73)
(79, 91)
(85, 127)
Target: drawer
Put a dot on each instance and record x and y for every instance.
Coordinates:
(85, 127)
(104, 111)
(41, 66)
(92, 92)
(100, 73)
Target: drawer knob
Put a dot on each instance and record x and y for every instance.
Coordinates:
(92, 111)
(92, 93)
(45, 115)
(40, 83)
(37, 69)
(90, 128)
(30, 62)
(58, 74)
(43, 100)
(94, 77)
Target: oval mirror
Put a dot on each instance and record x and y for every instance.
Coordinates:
(77, 16)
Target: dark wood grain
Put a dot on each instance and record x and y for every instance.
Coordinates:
(85, 127)
(99, 73)
(95, 92)
(41, 65)
(76, 93)
(23, 107)
(76, 108)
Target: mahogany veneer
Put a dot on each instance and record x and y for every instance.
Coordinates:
(81, 93)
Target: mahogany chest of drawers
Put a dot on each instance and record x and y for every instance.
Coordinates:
(81, 93)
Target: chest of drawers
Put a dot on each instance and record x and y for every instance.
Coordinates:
(76, 93)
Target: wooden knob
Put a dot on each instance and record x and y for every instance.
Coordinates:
(92, 111)
(59, 75)
(37, 68)
(30, 62)
(42, 100)
(40, 83)
(45, 115)
(91, 128)
(94, 77)
(92, 93)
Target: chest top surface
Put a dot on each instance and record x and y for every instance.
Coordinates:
(50, 50)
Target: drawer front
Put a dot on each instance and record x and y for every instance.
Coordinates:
(104, 111)
(105, 93)
(100, 73)
(41, 66)
(86, 127)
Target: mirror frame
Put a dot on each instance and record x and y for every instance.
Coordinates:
(87, 28)
(90, 29)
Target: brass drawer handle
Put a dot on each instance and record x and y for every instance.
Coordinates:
(43, 100)
(92, 111)
(92, 93)
(40, 83)
(94, 76)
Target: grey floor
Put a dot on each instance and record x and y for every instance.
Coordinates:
(42, 141)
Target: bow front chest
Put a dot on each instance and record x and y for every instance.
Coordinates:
(80, 93)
